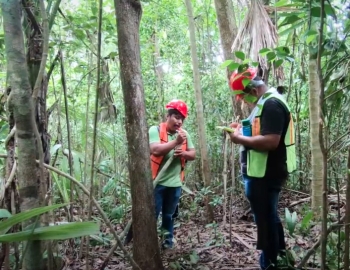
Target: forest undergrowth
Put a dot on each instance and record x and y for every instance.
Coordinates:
(204, 246)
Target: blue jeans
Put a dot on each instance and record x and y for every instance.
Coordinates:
(166, 200)
(263, 196)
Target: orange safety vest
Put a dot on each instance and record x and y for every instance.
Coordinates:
(156, 161)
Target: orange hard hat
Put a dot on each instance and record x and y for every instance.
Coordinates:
(179, 105)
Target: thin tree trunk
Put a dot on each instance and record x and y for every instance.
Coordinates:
(199, 110)
(316, 153)
(70, 157)
(145, 248)
(159, 76)
(323, 146)
(347, 218)
(224, 177)
(94, 140)
(21, 104)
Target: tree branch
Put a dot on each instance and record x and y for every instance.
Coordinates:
(99, 209)
(312, 250)
(31, 16)
(52, 66)
(54, 13)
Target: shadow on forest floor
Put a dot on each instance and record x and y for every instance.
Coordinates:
(207, 246)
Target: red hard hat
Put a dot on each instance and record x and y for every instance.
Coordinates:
(178, 105)
(236, 80)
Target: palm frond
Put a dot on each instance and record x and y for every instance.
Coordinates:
(256, 32)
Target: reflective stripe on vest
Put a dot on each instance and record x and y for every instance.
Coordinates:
(257, 160)
(157, 161)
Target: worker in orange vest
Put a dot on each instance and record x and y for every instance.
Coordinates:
(166, 140)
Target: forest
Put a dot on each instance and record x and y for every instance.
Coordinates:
(82, 83)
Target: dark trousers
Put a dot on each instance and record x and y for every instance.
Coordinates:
(263, 196)
(166, 201)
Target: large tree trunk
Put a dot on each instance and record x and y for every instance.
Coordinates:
(199, 110)
(316, 153)
(228, 30)
(145, 248)
(21, 104)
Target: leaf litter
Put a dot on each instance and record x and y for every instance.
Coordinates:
(202, 246)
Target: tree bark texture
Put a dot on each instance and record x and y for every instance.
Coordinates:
(316, 153)
(21, 105)
(228, 30)
(199, 110)
(145, 248)
(347, 219)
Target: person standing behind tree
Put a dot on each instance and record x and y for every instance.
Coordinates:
(267, 156)
(166, 140)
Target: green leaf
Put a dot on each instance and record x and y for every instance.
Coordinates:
(4, 213)
(281, 3)
(226, 63)
(240, 55)
(79, 33)
(175, 265)
(283, 49)
(238, 92)
(290, 20)
(291, 29)
(306, 220)
(117, 212)
(233, 66)
(20, 217)
(291, 220)
(271, 56)
(264, 51)
(245, 82)
(243, 67)
(194, 258)
(278, 63)
(255, 64)
(250, 98)
(329, 10)
(310, 38)
(57, 232)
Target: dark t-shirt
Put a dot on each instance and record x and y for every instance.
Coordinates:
(274, 119)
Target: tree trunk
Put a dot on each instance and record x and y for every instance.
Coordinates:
(228, 30)
(21, 104)
(158, 71)
(145, 248)
(347, 218)
(316, 153)
(199, 110)
(11, 200)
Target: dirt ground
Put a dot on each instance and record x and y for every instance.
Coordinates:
(203, 247)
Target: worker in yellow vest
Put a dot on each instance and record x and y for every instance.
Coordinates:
(166, 140)
(267, 156)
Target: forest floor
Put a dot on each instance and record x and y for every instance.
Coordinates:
(203, 247)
